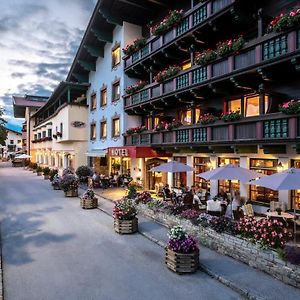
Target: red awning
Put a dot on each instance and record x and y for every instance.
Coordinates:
(136, 152)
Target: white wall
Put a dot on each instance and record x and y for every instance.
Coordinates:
(15, 137)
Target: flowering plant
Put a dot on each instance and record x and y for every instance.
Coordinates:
(207, 119)
(231, 116)
(160, 126)
(232, 45)
(290, 108)
(135, 46)
(144, 197)
(124, 210)
(204, 219)
(166, 73)
(285, 21)
(136, 87)
(46, 171)
(138, 129)
(171, 20)
(56, 180)
(88, 194)
(205, 57)
(133, 186)
(189, 214)
(180, 242)
(173, 124)
(269, 233)
(52, 173)
(69, 182)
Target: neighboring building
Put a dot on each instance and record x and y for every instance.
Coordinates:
(25, 107)
(13, 143)
(60, 131)
(253, 80)
(99, 62)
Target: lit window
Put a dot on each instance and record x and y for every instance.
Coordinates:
(251, 105)
(116, 127)
(103, 130)
(266, 103)
(116, 91)
(93, 132)
(186, 117)
(156, 121)
(116, 56)
(197, 114)
(103, 100)
(186, 66)
(234, 105)
(93, 102)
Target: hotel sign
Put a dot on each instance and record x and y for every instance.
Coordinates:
(122, 152)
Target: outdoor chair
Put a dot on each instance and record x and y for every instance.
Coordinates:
(188, 200)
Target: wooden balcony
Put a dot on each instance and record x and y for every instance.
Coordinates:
(265, 51)
(192, 20)
(268, 129)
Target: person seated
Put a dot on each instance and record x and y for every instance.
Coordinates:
(214, 207)
(95, 176)
(236, 201)
(167, 191)
(223, 195)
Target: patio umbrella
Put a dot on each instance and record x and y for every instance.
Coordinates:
(230, 172)
(285, 180)
(172, 167)
(23, 156)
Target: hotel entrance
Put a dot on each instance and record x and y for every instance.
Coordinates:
(155, 180)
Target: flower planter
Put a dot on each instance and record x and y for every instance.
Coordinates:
(182, 263)
(56, 187)
(39, 173)
(126, 226)
(71, 193)
(89, 203)
(46, 177)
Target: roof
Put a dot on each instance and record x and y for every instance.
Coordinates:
(14, 131)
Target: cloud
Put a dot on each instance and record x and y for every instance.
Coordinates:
(17, 75)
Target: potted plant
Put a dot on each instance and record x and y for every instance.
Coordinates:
(39, 171)
(166, 73)
(133, 187)
(34, 167)
(69, 184)
(182, 252)
(291, 107)
(88, 200)
(231, 116)
(46, 172)
(56, 182)
(125, 220)
(52, 173)
(285, 21)
(207, 119)
(83, 172)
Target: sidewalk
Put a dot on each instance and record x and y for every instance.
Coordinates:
(249, 282)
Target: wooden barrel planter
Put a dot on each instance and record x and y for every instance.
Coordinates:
(182, 263)
(89, 203)
(126, 226)
(71, 193)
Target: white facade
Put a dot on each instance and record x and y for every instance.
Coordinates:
(13, 143)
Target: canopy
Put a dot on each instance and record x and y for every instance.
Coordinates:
(230, 172)
(23, 156)
(172, 167)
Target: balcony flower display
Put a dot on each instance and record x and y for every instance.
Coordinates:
(230, 46)
(138, 129)
(160, 126)
(290, 108)
(283, 22)
(135, 87)
(171, 20)
(205, 57)
(268, 233)
(135, 46)
(207, 119)
(231, 116)
(166, 73)
(173, 124)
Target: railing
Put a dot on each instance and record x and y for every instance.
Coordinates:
(252, 130)
(256, 53)
(192, 20)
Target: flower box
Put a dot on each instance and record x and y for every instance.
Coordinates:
(71, 193)
(126, 226)
(89, 203)
(182, 263)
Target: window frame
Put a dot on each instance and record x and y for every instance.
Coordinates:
(113, 127)
(102, 137)
(115, 63)
(93, 101)
(102, 91)
(93, 126)
(113, 96)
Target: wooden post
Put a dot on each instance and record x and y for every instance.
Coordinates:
(292, 123)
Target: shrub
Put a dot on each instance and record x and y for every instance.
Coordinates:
(46, 171)
(56, 180)
(124, 210)
(68, 171)
(204, 219)
(83, 172)
(292, 254)
(39, 169)
(69, 182)
(222, 224)
(52, 173)
(132, 189)
(34, 166)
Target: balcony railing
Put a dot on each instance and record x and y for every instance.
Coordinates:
(192, 20)
(272, 48)
(265, 129)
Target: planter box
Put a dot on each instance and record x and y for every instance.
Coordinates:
(46, 177)
(56, 187)
(182, 263)
(71, 193)
(89, 203)
(126, 226)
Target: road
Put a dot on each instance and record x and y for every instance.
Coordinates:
(52, 249)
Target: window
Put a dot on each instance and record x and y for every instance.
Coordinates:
(179, 179)
(49, 132)
(19, 141)
(61, 128)
(116, 127)
(227, 185)
(44, 134)
(186, 65)
(295, 199)
(258, 193)
(116, 91)
(103, 99)
(156, 121)
(11, 142)
(35, 137)
(93, 102)
(251, 106)
(93, 132)
(186, 117)
(103, 130)
(116, 56)
(39, 135)
(235, 105)
(197, 114)
(201, 165)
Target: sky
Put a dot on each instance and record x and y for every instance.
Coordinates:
(38, 41)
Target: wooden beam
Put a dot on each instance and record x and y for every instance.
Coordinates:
(102, 36)
(81, 77)
(87, 65)
(109, 18)
(94, 51)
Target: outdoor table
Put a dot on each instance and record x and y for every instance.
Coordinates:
(283, 215)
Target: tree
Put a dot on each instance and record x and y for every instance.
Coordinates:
(3, 131)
